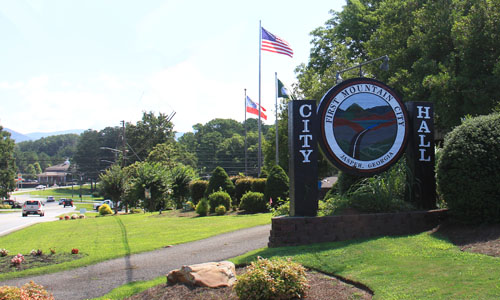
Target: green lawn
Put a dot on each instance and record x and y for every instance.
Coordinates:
(422, 266)
(103, 238)
(64, 192)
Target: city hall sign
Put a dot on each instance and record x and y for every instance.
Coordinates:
(363, 126)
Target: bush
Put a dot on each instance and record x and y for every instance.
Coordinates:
(5, 206)
(219, 181)
(105, 210)
(27, 291)
(219, 198)
(468, 170)
(281, 210)
(277, 185)
(259, 185)
(136, 210)
(242, 186)
(220, 210)
(253, 202)
(272, 279)
(202, 208)
(197, 190)
(345, 181)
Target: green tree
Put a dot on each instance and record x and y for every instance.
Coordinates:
(112, 183)
(7, 164)
(87, 156)
(152, 177)
(277, 186)
(180, 177)
(219, 181)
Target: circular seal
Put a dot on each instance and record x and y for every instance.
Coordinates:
(363, 125)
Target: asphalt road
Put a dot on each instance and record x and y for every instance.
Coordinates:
(97, 280)
(10, 222)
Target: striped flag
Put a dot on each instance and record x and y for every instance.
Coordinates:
(273, 43)
(253, 108)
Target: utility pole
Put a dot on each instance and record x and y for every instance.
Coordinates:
(124, 142)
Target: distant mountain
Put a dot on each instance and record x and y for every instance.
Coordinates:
(19, 137)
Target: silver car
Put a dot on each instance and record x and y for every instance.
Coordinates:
(33, 207)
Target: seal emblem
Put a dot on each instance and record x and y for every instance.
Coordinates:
(364, 126)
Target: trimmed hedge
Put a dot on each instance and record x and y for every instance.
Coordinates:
(468, 170)
(242, 186)
(219, 198)
(219, 181)
(197, 190)
(277, 186)
(259, 185)
(253, 202)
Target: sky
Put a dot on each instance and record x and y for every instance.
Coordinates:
(90, 64)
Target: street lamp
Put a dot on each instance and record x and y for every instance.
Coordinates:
(384, 66)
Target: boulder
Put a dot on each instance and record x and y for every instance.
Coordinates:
(212, 274)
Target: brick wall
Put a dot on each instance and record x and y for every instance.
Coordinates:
(290, 231)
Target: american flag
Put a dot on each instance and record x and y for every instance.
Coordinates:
(273, 43)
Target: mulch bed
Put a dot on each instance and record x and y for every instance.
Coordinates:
(483, 239)
(35, 261)
(323, 287)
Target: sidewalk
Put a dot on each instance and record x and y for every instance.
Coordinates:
(96, 280)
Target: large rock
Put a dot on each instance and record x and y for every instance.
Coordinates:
(212, 274)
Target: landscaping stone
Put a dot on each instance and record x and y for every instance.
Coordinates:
(211, 274)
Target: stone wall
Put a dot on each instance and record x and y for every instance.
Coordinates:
(290, 231)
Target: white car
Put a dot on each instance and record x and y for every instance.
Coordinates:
(33, 207)
(40, 187)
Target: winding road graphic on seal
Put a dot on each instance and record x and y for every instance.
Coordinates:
(365, 127)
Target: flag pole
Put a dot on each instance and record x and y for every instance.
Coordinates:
(259, 126)
(246, 168)
(276, 112)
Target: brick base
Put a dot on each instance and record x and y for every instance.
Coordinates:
(291, 231)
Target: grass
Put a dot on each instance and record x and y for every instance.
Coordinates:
(63, 192)
(132, 288)
(104, 238)
(422, 266)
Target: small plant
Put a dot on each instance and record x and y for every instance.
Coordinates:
(38, 252)
(74, 217)
(27, 291)
(81, 217)
(74, 251)
(52, 250)
(253, 202)
(4, 252)
(61, 217)
(220, 210)
(136, 211)
(17, 260)
(282, 210)
(203, 207)
(105, 210)
(272, 279)
(66, 217)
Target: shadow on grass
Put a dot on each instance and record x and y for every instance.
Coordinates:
(126, 246)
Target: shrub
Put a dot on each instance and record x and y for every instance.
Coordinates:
(74, 251)
(467, 171)
(27, 291)
(105, 210)
(272, 279)
(277, 185)
(81, 216)
(253, 202)
(74, 217)
(220, 210)
(259, 185)
(219, 181)
(136, 210)
(197, 190)
(66, 217)
(38, 252)
(5, 206)
(4, 252)
(61, 217)
(52, 250)
(242, 186)
(202, 208)
(17, 260)
(219, 198)
(281, 210)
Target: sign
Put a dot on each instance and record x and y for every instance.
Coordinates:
(303, 149)
(363, 126)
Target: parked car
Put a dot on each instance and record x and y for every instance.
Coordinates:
(108, 202)
(68, 202)
(50, 199)
(33, 207)
(40, 187)
(12, 203)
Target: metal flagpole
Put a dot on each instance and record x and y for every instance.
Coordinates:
(276, 119)
(246, 166)
(259, 128)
